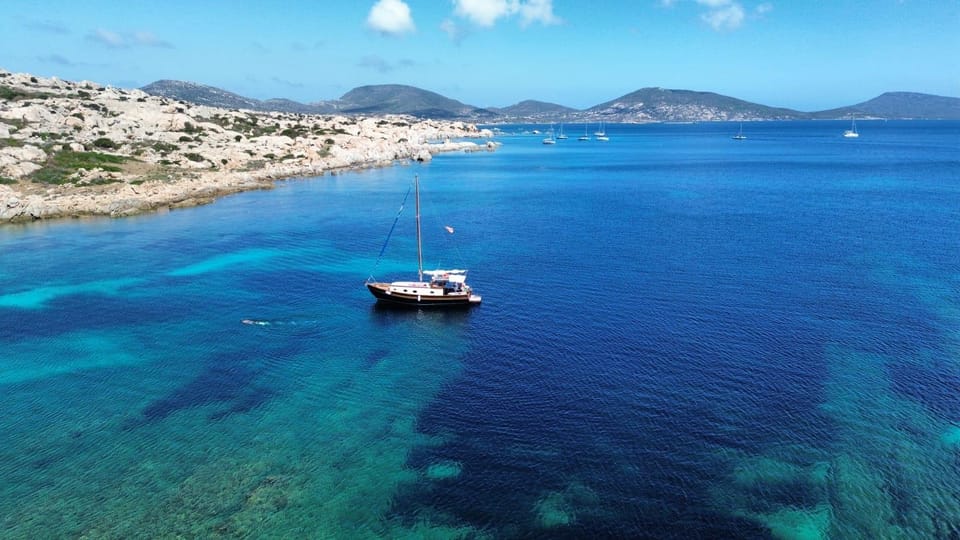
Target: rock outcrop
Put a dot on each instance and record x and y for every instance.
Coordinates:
(71, 149)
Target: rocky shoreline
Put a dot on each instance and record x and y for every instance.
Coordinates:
(72, 149)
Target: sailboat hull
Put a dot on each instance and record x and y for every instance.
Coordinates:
(382, 292)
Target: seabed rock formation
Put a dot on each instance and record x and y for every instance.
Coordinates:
(70, 149)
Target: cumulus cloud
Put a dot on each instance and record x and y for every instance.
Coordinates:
(122, 40)
(723, 15)
(538, 11)
(390, 17)
(486, 12)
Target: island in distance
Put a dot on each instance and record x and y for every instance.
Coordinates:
(644, 105)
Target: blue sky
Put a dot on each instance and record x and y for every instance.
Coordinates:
(802, 54)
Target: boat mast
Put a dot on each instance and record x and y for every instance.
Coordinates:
(419, 248)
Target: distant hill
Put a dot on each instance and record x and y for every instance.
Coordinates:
(900, 105)
(202, 94)
(402, 99)
(644, 105)
(369, 100)
(531, 110)
(665, 105)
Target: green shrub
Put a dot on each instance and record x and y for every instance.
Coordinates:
(184, 138)
(61, 165)
(7, 181)
(104, 142)
(193, 156)
(163, 147)
(13, 94)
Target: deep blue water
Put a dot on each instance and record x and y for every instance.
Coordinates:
(682, 336)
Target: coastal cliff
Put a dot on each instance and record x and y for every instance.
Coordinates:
(70, 149)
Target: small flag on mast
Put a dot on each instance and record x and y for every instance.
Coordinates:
(449, 229)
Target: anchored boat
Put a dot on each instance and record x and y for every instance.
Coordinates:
(444, 288)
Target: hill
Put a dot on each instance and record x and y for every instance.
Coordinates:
(532, 110)
(665, 105)
(402, 99)
(644, 105)
(900, 105)
(201, 94)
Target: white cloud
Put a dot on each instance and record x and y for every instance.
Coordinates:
(487, 12)
(455, 32)
(484, 12)
(538, 11)
(715, 3)
(148, 39)
(728, 17)
(108, 38)
(724, 14)
(117, 40)
(390, 17)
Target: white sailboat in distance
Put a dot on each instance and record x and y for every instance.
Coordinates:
(852, 132)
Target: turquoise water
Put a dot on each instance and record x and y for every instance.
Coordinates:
(682, 335)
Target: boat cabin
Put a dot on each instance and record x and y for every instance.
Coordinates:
(450, 282)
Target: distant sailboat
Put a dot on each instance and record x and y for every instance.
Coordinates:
(562, 135)
(585, 137)
(740, 136)
(550, 139)
(852, 132)
(602, 133)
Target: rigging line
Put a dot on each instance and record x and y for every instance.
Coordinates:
(392, 227)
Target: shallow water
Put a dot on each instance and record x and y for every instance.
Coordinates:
(682, 335)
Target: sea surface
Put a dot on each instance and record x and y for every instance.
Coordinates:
(681, 336)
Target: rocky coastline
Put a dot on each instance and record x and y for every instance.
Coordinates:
(73, 149)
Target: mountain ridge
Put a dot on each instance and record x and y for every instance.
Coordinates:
(649, 104)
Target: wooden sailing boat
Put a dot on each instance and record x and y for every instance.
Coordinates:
(446, 288)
